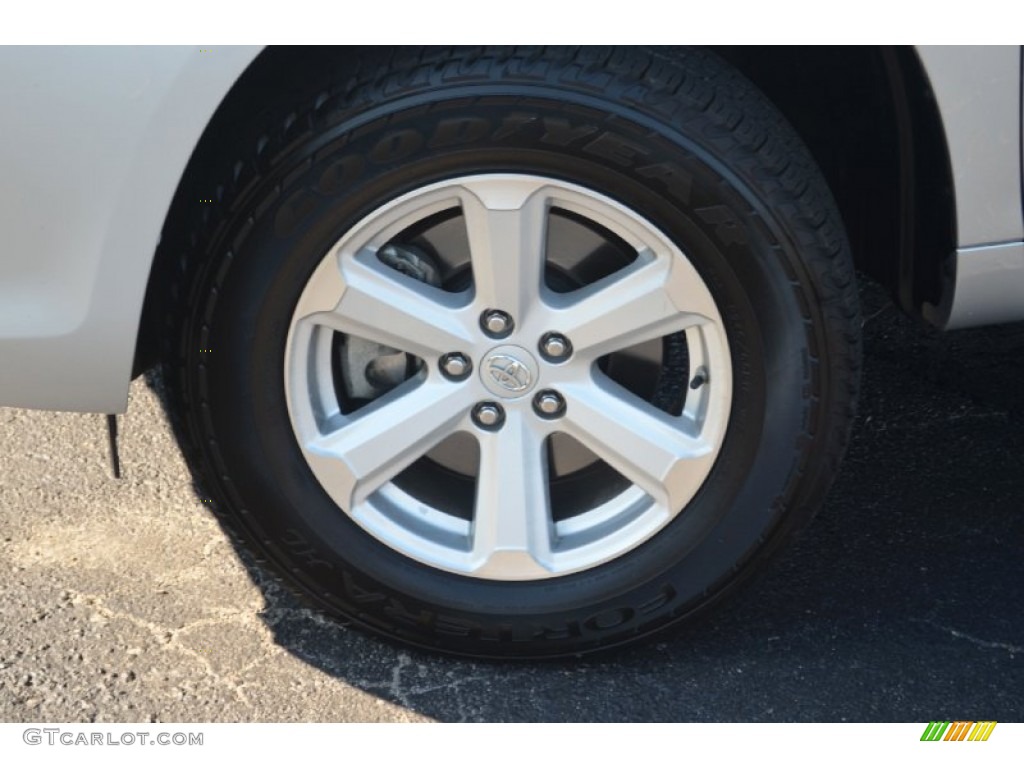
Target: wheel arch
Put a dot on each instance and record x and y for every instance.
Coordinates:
(253, 94)
(870, 117)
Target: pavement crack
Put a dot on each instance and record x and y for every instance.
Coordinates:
(170, 638)
(465, 714)
(259, 660)
(397, 689)
(972, 639)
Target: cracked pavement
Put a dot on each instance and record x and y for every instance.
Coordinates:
(125, 601)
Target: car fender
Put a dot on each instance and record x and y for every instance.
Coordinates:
(95, 143)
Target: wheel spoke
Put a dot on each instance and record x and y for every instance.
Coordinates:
(506, 223)
(382, 305)
(367, 451)
(512, 525)
(658, 452)
(649, 299)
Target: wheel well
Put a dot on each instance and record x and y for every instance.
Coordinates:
(869, 118)
(867, 115)
(242, 120)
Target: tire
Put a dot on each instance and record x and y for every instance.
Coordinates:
(665, 399)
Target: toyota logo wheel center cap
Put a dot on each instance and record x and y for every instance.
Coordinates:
(509, 371)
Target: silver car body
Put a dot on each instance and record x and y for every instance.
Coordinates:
(95, 141)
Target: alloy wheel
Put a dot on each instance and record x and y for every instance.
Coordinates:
(441, 388)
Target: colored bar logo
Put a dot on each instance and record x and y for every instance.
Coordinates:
(960, 730)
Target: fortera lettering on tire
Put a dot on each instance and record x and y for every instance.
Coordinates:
(534, 356)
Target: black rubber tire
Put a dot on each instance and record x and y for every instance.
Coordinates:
(676, 135)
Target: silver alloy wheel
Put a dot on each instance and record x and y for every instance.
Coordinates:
(511, 534)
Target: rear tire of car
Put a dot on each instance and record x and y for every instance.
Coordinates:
(684, 181)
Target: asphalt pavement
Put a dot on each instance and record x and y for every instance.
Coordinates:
(125, 601)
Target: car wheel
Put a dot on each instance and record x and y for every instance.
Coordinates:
(520, 353)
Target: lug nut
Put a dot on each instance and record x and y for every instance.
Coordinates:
(456, 366)
(496, 324)
(555, 347)
(488, 415)
(549, 404)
